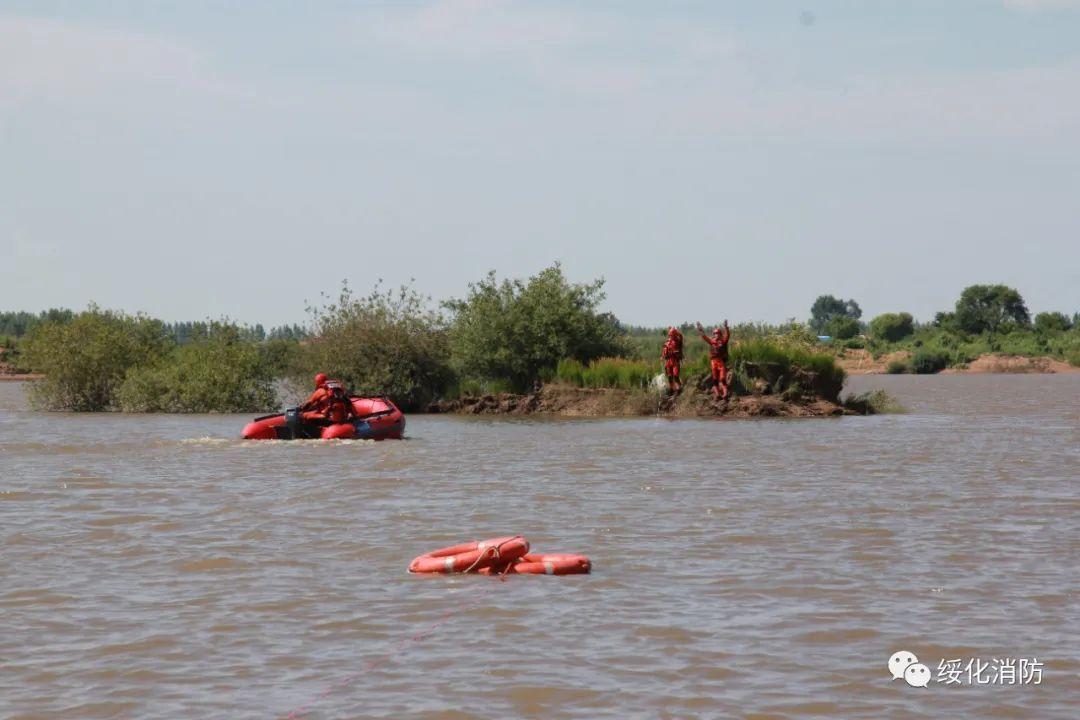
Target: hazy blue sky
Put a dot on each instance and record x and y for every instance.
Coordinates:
(710, 159)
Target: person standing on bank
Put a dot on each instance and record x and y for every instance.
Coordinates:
(718, 358)
(672, 355)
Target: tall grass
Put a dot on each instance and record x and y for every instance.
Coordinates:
(791, 370)
(875, 402)
(608, 373)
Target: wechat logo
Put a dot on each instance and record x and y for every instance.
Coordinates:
(904, 664)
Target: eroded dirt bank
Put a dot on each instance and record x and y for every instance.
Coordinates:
(587, 402)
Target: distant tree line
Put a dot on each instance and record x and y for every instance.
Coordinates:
(503, 334)
(985, 319)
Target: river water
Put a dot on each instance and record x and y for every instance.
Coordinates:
(156, 567)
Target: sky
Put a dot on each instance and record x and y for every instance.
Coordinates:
(708, 159)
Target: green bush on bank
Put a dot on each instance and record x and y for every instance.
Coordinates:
(792, 370)
(1052, 323)
(518, 331)
(387, 343)
(874, 402)
(217, 372)
(86, 359)
(929, 361)
(842, 327)
(897, 367)
(892, 327)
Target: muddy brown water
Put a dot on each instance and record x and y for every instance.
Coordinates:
(156, 567)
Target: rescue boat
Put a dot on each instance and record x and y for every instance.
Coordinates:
(375, 418)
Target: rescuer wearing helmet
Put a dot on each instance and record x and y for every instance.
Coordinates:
(672, 355)
(718, 357)
(315, 407)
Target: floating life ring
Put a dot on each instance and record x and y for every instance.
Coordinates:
(471, 556)
(543, 564)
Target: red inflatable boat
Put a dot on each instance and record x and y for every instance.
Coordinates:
(374, 419)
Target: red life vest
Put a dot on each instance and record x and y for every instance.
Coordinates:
(338, 406)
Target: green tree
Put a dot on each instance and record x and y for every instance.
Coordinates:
(928, 361)
(515, 330)
(288, 332)
(842, 327)
(990, 308)
(946, 321)
(85, 360)
(388, 343)
(21, 322)
(217, 370)
(892, 327)
(826, 307)
(1052, 323)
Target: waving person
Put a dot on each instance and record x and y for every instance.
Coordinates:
(718, 358)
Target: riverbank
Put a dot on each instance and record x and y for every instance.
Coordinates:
(861, 362)
(567, 401)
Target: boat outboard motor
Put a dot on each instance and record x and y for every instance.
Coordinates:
(294, 423)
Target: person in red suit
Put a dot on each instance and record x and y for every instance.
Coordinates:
(328, 402)
(672, 355)
(718, 358)
(315, 407)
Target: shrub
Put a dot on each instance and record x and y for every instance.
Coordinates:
(874, 402)
(518, 330)
(897, 367)
(388, 343)
(786, 370)
(842, 327)
(1021, 342)
(283, 356)
(85, 359)
(1051, 323)
(929, 361)
(214, 371)
(892, 327)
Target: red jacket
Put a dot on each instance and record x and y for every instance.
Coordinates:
(317, 401)
(718, 346)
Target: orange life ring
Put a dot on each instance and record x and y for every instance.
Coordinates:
(543, 564)
(471, 556)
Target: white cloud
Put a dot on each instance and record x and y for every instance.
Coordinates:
(680, 78)
(618, 74)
